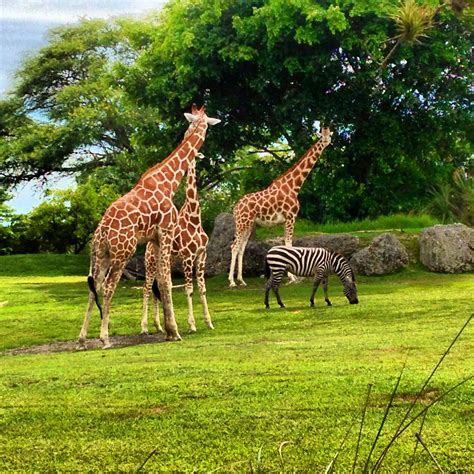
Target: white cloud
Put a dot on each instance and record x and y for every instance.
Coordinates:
(66, 11)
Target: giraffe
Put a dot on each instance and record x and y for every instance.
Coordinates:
(276, 204)
(146, 213)
(190, 242)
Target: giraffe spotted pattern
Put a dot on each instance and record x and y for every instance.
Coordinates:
(277, 204)
(146, 213)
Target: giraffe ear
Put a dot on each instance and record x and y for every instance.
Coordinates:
(190, 117)
(212, 121)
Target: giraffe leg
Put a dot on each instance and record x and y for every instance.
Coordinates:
(81, 344)
(98, 274)
(234, 250)
(200, 270)
(150, 273)
(110, 285)
(164, 283)
(156, 316)
(188, 278)
(240, 256)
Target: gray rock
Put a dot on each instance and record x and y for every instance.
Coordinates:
(448, 248)
(343, 244)
(384, 255)
(135, 268)
(219, 253)
(218, 248)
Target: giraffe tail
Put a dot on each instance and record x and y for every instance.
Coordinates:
(91, 283)
(156, 290)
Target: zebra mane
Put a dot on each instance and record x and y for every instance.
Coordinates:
(344, 260)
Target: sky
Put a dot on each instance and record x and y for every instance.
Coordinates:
(23, 31)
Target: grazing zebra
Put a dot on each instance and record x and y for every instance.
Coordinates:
(308, 261)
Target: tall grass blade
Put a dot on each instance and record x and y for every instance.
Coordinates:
(152, 453)
(369, 388)
(420, 439)
(280, 454)
(259, 460)
(410, 408)
(412, 462)
(331, 465)
(385, 415)
(402, 430)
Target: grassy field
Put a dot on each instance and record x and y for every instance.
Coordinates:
(266, 391)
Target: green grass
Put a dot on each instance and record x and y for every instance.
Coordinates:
(398, 222)
(226, 400)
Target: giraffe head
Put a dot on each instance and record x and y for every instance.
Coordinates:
(326, 136)
(197, 117)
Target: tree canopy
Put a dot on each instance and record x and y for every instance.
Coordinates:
(106, 98)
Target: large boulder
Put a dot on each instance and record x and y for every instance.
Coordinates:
(218, 248)
(448, 248)
(135, 268)
(384, 255)
(219, 253)
(344, 244)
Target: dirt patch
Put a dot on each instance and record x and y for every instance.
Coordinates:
(427, 396)
(71, 346)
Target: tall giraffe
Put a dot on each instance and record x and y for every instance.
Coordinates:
(276, 204)
(146, 213)
(190, 242)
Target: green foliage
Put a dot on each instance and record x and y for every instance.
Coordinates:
(453, 201)
(296, 63)
(221, 399)
(6, 216)
(107, 97)
(64, 222)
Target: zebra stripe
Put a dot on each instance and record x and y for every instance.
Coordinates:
(309, 261)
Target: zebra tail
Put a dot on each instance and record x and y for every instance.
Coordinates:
(156, 290)
(91, 283)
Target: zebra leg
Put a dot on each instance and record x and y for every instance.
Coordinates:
(273, 283)
(316, 283)
(289, 229)
(276, 290)
(325, 288)
(267, 291)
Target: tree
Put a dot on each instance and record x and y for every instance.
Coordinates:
(64, 222)
(6, 217)
(272, 70)
(69, 113)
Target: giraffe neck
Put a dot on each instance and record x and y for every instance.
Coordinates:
(171, 170)
(297, 174)
(191, 204)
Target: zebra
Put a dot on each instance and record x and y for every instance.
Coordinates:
(308, 261)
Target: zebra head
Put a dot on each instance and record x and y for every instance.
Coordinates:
(350, 289)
